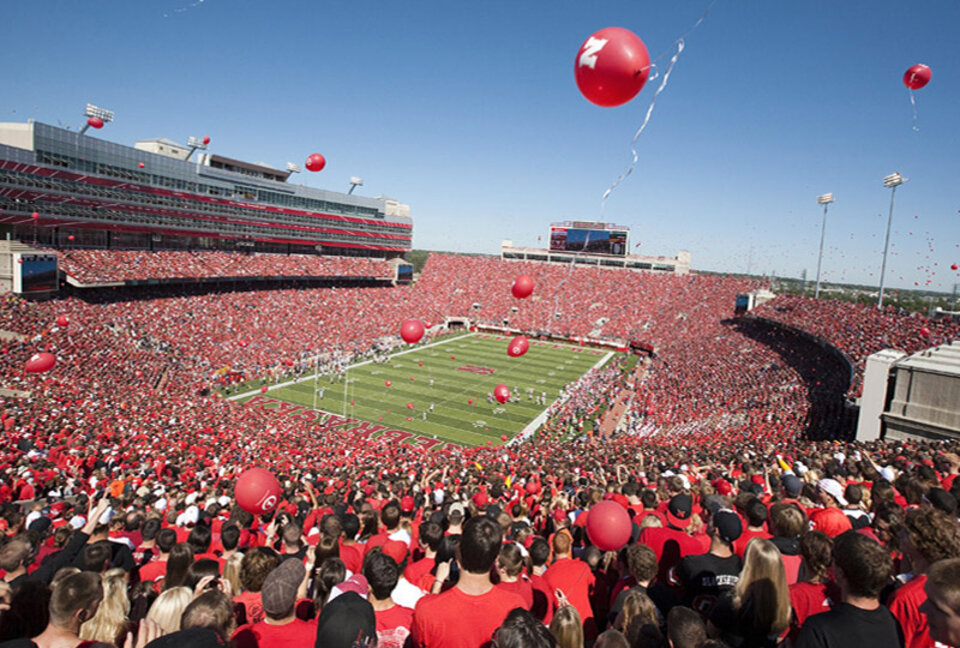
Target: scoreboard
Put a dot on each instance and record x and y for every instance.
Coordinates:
(34, 273)
(589, 237)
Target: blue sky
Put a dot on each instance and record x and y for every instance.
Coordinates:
(469, 113)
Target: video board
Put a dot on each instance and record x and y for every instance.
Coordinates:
(583, 237)
(34, 273)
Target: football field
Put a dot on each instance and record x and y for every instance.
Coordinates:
(445, 375)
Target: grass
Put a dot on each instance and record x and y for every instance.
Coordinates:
(546, 367)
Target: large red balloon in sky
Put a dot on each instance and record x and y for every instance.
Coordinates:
(95, 122)
(522, 287)
(316, 162)
(40, 362)
(917, 76)
(257, 491)
(411, 331)
(612, 66)
(608, 525)
(501, 393)
(206, 140)
(518, 346)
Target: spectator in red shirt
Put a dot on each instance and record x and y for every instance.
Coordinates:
(672, 542)
(393, 621)
(928, 535)
(831, 520)
(157, 568)
(280, 627)
(510, 570)
(466, 615)
(575, 580)
(256, 566)
(816, 593)
(430, 537)
(756, 517)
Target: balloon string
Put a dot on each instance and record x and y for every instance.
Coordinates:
(913, 103)
(643, 126)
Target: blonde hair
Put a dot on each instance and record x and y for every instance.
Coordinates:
(567, 628)
(763, 587)
(231, 572)
(639, 609)
(111, 617)
(168, 608)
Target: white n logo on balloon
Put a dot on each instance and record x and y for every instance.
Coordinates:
(590, 50)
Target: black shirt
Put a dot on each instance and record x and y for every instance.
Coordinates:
(847, 626)
(705, 578)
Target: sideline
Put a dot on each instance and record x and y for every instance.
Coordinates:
(541, 418)
(359, 364)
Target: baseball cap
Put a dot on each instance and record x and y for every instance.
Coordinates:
(279, 591)
(832, 488)
(679, 509)
(455, 508)
(346, 621)
(728, 525)
(480, 499)
(406, 504)
(791, 484)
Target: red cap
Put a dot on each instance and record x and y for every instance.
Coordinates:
(480, 499)
(406, 504)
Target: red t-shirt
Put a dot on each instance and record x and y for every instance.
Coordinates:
(831, 521)
(153, 570)
(352, 557)
(295, 634)
(905, 605)
(740, 544)
(543, 603)
(522, 588)
(576, 581)
(415, 571)
(253, 605)
(808, 599)
(671, 545)
(454, 619)
(393, 626)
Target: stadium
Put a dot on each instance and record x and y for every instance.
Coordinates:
(243, 411)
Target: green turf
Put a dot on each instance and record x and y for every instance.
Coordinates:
(544, 368)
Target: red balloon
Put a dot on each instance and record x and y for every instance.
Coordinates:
(608, 525)
(138, 373)
(409, 405)
(503, 437)
(316, 162)
(70, 238)
(522, 287)
(411, 378)
(35, 215)
(419, 364)
(351, 403)
(518, 346)
(611, 66)
(206, 140)
(63, 321)
(95, 122)
(411, 331)
(263, 389)
(917, 76)
(257, 491)
(387, 383)
(140, 164)
(954, 266)
(501, 393)
(924, 331)
(453, 357)
(469, 401)
(40, 363)
(429, 325)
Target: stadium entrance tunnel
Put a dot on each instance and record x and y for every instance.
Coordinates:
(825, 375)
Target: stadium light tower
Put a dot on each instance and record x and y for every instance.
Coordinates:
(91, 111)
(892, 181)
(293, 168)
(354, 183)
(825, 200)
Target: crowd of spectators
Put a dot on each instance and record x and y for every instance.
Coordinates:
(96, 266)
(745, 532)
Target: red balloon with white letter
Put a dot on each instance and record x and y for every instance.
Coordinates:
(40, 363)
(411, 331)
(522, 287)
(917, 76)
(518, 346)
(257, 491)
(316, 162)
(95, 122)
(501, 393)
(612, 66)
(608, 525)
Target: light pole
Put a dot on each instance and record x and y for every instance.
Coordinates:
(892, 181)
(96, 117)
(825, 200)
